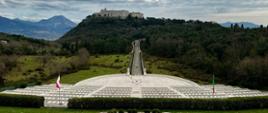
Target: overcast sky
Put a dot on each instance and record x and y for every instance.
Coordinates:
(210, 10)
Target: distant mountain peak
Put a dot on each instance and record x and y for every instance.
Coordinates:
(245, 24)
(59, 20)
(51, 28)
(57, 17)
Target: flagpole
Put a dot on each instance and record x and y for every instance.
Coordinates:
(59, 87)
(59, 96)
(213, 85)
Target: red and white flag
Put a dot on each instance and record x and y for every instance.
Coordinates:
(58, 85)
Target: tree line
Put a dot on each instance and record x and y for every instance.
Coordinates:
(235, 55)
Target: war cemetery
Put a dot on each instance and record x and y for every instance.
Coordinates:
(135, 56)
(137, 89)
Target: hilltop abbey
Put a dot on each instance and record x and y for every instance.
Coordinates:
(118, 13)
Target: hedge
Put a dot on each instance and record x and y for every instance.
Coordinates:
(21, 100)
(164, 103)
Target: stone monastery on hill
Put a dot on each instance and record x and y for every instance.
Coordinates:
(118, 13)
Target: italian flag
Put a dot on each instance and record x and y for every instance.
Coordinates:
(213, 85)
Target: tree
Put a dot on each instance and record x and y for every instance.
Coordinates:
(83, 55)
(2, 73)
(261, 26)
(45, 59)
(262, 46)
(6, 63)
(253, 71)
(242, 26)
(81, 60)
(236, 27)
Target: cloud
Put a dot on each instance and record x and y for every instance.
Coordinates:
(214, 10)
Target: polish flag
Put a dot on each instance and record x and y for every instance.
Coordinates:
(58, 85)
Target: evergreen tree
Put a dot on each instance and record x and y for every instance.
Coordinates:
(242, 26)
(261, 26)
(236, 27)
(232, 26)
(2, 72)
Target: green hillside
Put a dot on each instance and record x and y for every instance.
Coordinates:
(235, 55)
(26, 61)
(20, 45)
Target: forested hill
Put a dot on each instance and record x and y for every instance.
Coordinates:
(20, 45)
(235, 55)
(113, 35)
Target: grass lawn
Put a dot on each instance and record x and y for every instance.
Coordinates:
(84, 74)
(117, 60)
(63, 110)
(171, 67)
(100, 65)
(43, 110)
(28, 68)
(25, 67)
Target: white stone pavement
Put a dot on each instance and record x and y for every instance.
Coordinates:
(123, 85)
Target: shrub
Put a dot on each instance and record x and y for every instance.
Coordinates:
(132, 111)
(112, 111)
(116, 60)
(156, 111)
(38, 82)
(29, 71)
(121, 111)
(147, 111)
(21, 100)
(22, 85)
(39, 69)
(148, 71)
(164, 103)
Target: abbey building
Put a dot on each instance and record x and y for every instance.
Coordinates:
(118, 13)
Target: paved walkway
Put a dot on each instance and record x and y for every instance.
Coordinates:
(136, 66)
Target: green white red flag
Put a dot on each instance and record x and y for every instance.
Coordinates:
(213, 85)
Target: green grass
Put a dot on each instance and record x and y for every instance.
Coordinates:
(116, 61)
(100, 65)
(85, 74)
(26, 66)
(211, 111)
(43, 110)
(25, 63)
(63, 110)
(167, 66)
(156, 65)
(25, 69)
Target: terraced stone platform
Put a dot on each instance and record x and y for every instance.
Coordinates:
(122, 85)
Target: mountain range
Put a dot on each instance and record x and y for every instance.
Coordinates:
(48, 29)
(245, 24)
(56, 26)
